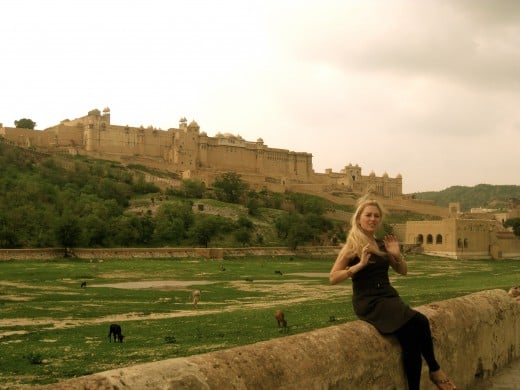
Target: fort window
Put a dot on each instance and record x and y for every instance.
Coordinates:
(438, 239)
(459, 243)
(465, 243)
(429, 239)
(419, 239)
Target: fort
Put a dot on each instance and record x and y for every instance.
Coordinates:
(192, 154)
(189, 153)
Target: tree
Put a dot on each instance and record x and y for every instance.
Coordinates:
(515, 224)
(299, 233)
(229, 187)
(25, 123)
(205, 228)
(172, 220)
(193, 188)
(243, 236)
(68, 232)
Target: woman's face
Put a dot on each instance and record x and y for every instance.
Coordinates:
(369, 219)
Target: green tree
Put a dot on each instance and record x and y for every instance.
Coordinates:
(172, 221)
(283, 224)
(193, 188)
(305, 204)
(68, 232)
(253, 203)
(95, 231)
(229, 187)
(515, 224)
(299, 233)
(243, 236)
(25, 123)
(205, 228)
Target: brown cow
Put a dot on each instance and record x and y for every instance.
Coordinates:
(280, 318)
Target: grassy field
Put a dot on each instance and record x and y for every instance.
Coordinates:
(52, 329)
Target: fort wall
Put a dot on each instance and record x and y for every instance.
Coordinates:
(191, 153)
(474, 336)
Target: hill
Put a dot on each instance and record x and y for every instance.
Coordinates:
(72, 201)
(481, 195)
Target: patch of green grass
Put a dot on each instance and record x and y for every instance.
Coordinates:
(52, 329)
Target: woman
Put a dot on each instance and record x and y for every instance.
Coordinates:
(366, 261)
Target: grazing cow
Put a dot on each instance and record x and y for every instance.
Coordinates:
(195, 297)
(83, 284)
(514, 292)
(278, 272)
(115, 330)
(280, 318)
(248, 279)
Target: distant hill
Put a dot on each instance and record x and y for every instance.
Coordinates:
(481, 195)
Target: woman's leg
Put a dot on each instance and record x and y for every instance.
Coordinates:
(425, 334)
(415, 339)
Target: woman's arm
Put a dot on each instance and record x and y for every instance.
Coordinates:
(397, 260)
(398, 263)
(341, 272)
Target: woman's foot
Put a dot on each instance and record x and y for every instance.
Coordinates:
(442, 382)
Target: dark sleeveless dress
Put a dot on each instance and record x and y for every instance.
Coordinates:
(374, 299)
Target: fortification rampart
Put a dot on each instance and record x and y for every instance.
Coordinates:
(188, 151)
(474, 335)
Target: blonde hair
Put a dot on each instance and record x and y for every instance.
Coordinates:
(357, 238)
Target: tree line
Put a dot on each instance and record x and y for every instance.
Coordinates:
(65, 201)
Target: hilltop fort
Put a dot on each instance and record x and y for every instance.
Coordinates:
(192, 154)
(189, 153)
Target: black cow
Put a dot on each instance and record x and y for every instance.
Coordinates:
(115, 330)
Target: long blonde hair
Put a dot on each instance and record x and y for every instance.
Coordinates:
(357, 238)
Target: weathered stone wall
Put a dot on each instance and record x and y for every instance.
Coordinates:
(150, 253)
(474, 336)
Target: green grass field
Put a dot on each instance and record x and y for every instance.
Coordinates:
(51, 329)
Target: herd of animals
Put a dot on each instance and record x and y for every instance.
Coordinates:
(115, 331)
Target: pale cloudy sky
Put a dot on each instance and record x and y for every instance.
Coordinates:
(429, 89)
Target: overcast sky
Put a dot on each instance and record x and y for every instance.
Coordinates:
(427, 89)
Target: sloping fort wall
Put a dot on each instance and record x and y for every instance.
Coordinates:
(474, 336)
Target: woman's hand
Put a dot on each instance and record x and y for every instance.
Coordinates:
(397, 260)
(365, 255)
(392, 245)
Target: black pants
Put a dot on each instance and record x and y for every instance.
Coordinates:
(415, 338)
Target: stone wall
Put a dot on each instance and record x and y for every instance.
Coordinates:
(150, 253)
(474, 336)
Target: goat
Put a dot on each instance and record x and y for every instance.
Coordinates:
(83, 284)
(195, 297)
(115, 330)
(280, 319)
(278, 272)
